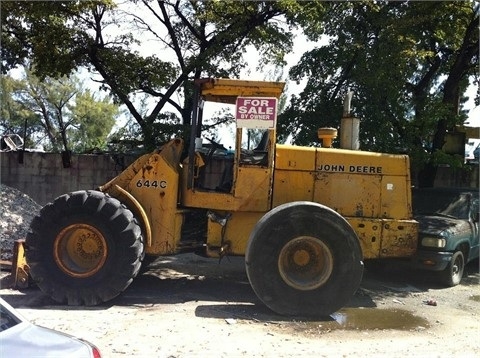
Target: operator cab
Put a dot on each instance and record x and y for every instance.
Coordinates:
(234, 173)
(215, 163)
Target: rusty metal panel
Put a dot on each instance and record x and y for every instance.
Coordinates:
(364, 184)
(396, 197)
(349, 194)
(383, 238)
(292, 186)
(369, 233)
(153, 182)
(399, 238)
(155, 187)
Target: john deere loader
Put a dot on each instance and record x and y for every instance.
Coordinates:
(305, 218)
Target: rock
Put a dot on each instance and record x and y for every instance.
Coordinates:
(17, 211)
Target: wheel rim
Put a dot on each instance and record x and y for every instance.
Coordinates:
(80, 250)
(305, 263)
(457, 267)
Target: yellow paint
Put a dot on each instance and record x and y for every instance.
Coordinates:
(370, 190)
(251, 193)
(153, 181)
(237, 232)
(226, 90)
(296, 158)
(138, 211)
(374, 198)
(292, 186)
(340, 179)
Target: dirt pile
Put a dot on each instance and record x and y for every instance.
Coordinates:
(16, 212)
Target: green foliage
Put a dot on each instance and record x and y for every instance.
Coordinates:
(408, 64)
(126, 139)
(57, 113)
(187, 40)
(14, 117)
(46, 33)
(92, 121)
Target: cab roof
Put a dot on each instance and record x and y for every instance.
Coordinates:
(226, 90)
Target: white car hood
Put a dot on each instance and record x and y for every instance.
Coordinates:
(28, 340)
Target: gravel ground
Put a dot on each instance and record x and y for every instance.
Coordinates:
(16, 212)
(189, 306)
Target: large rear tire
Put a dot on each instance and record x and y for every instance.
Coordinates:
(85, 248)
(304, 259)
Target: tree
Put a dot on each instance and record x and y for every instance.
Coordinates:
(92, 121)
(408, 64)
(191, 39)
(58, 113)
(14, 118)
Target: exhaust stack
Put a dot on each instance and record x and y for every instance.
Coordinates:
(349, 127)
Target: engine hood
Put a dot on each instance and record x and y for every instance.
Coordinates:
(441, 225)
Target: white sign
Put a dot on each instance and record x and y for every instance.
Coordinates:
(256, 112)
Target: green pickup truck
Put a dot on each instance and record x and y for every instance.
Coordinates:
(448, 231)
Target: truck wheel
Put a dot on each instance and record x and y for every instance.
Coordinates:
(453, 274)
(304, 259)
(85, 248)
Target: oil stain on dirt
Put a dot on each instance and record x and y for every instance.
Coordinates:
(363, 319)
(374, 318)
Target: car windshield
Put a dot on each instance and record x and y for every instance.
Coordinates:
(7, 320)
(447, 203)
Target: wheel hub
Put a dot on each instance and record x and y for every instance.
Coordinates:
(80, 250)
(305, 263)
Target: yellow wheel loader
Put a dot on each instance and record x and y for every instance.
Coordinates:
(305, 218)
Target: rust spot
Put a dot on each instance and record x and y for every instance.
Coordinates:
(359, 211)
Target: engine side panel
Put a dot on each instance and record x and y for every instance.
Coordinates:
(371, 190)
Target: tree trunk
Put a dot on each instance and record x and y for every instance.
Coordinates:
(461, 67)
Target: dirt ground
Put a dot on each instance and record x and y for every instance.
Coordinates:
(189, 306)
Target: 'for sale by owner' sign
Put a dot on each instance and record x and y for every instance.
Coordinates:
(256, 112)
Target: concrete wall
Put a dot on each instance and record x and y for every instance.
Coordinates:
(454, 177)
(43, 177)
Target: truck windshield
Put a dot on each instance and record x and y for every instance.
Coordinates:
(454, 204)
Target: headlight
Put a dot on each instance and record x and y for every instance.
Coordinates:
(433, 242)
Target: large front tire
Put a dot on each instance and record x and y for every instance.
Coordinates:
(85, 248)
(304, 259)
(453, 274)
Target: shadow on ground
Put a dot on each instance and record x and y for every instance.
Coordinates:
(187, 278)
